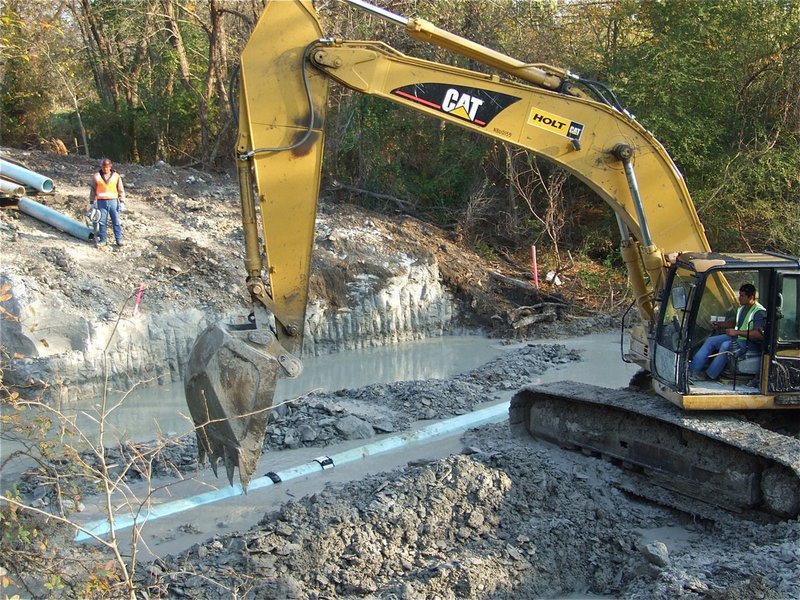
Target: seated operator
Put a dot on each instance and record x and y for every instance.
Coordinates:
(743, 334)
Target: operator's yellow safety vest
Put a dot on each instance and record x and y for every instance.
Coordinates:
(106, 190)
(748, 319)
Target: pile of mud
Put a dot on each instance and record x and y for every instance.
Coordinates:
(506, 519)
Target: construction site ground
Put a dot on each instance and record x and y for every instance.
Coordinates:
(483, 515)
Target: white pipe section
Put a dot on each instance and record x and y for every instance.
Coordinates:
(11, 188)
(56, 219)
(491, 414)
(14, 171)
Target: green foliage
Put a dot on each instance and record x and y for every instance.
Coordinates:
(757, 205)
(485, 251)
(717, 82)
(592, 279)
(24, 99)
(677, 74)
(387, 149)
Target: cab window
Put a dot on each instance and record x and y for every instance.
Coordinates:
(788, 309)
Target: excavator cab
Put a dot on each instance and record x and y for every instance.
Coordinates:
(701, 291)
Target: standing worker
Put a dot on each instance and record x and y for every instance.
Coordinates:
(108, 193)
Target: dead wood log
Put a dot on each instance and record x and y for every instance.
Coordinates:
(527, 287)
(337, 185)
(524, 316)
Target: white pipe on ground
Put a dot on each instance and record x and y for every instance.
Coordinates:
(40, 183)
(11, 188)
(56, 219)
(492, 414)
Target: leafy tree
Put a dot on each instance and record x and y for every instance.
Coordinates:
(43, 82)
(717, 82)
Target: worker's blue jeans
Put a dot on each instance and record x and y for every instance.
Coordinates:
(109, 208)
(719, 345)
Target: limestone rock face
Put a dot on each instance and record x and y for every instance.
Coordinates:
(67, 318)
(413, 305)
(73, 353)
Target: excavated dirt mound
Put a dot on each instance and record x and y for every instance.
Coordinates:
(506, 519)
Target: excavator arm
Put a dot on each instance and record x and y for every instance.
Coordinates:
(285, 70)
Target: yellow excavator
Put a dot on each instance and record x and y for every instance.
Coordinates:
(680, 285)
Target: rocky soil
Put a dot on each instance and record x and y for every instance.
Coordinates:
(505, 518)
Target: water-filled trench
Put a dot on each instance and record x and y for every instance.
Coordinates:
(144, 413)
(148, 411)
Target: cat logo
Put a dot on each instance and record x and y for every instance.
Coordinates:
(473, 105)
(555, 124)
(461, 104)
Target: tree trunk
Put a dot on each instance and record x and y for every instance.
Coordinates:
(184, 73)
(104, 54)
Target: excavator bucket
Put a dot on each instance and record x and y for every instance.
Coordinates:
(230, 383)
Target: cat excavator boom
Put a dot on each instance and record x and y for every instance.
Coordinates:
(678, 283)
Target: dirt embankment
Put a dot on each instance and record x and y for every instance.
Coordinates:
(134, 312)
(183, 242)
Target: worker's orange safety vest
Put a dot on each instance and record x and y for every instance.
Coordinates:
(106, 190)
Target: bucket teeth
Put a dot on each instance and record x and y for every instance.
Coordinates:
(230, 384)
(231, 462)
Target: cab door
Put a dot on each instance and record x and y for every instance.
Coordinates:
(669, 350)
(783, 377)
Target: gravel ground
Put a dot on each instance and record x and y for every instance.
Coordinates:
(506, 518)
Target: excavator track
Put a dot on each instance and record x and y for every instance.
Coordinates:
(719, 458)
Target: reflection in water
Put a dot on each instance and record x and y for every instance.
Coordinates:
(144, 413)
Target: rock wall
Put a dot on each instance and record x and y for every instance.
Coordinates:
(412, 305)
(70, 353)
